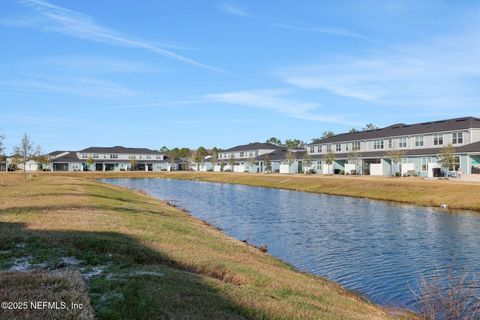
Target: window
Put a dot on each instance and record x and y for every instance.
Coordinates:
(114, 156)
(242, 154)
(312, 149)
(424, 163)
(95, 156)
(329, 148)
(378, 144)
(256, 153)
(149, 157)
(158, 157)
(456, 165)
(389, 143)
(356, 146)
(457, 137)
(402, 142)
(347, 146)
(338, 147)
(84, 156)
(132, 157)
(438, 139)
(419, 141)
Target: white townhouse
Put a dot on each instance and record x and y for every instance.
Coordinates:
(259, 157)
(116, 158)
(370, 152)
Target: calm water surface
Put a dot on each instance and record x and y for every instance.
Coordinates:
(372, 247)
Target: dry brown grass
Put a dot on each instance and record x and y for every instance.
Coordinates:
(204, 273)
(412, 190)
(59, 287)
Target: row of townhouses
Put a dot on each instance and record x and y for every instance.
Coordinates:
(365, 153)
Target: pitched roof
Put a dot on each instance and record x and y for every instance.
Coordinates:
(119, 149)
(71, 156)
(401, 129)
(253, 146)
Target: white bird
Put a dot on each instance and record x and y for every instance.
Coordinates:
(443, 206)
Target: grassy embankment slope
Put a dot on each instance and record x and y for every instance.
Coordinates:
(457, 195)
(144, 259)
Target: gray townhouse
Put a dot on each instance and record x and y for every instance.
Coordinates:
(253, 157)
(116, 158)
(367, 152)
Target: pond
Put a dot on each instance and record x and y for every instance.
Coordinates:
(375, 248)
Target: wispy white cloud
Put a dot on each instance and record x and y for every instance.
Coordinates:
(335, 31)
(327, 30)
(278, 101)
(233, 9)
(79, 25)
(90, 64)
(440, 73)
(86, 87)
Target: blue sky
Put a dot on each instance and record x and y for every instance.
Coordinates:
(75, 74)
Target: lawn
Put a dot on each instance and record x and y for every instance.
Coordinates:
(135, 257)
(412, 190)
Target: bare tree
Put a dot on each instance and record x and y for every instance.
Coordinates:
(133, 164)
(395, 156)
(370, 126)
(26, 151)
(90, 162)
(267, 163)
(290, 159)
(231, 161)
(308, 161)
(2, 145)
(452, 297)
(214, 157)
(354, 158)
(329, 157)
(447, 158)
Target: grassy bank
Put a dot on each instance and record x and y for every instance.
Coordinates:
(457, 195)
(143, 259)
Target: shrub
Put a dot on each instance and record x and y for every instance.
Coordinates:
(452, 297)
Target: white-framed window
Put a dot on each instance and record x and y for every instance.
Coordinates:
(114, 156)
(95, 156)
(338, 147)
(419, 141)
(356, 145)
(242, 154)
(312, 149)
(378, 144)
(424, 161)
(438, 139)
(329, 148)
(389, 143)
(457, 137)
(456, 165)
(402, 142)
(256, 153)
(132, 157)
(347, 146)
(158, 157)
(149, 157)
